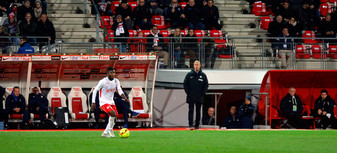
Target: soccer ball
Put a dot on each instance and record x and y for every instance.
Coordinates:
(124, 133)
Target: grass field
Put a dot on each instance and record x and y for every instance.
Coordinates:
(169, 141)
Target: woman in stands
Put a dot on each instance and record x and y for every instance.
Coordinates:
(176, 45)
(10, 27)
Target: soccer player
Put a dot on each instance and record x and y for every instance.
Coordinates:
(107, 87)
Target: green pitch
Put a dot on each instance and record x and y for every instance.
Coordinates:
(170, 142)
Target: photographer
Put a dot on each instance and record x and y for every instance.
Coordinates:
(246, 111)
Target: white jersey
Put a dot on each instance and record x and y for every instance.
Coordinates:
(106, 90)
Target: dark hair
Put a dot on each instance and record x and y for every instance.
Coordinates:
(24, 38)
(16, 87)
(154, 26)
(324, 91)
(109, 69)
(43, 14)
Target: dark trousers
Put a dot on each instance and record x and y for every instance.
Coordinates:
(42, 112)
(325, 121)
(123, 107)
(190, 114)
(23, 112)
(297, 122)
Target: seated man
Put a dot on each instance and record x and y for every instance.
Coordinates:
(324, 106)
(246, 111)
(291, 108)
(38, 104)
(25, 48)
(155, 43)
(16, 104)
(175, 15)
(210, 15)
(124, 107)
(231, 121)
(209, 118)
(285, 46)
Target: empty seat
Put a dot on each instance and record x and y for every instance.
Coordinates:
(309, 34)
(138, 102)
(301, 51)
(264, 22)
(56, 98)
(107, 21)
(183, 4)
(199, 33)
(223, 54)
(183, 32)
(325, 8)
(260, 9)
(219, 34)
(159, 21)
(132, 5)
(78, 107)
(333, 51)
(110, 33)
(165, 33)
(317, 52)
(146, 33)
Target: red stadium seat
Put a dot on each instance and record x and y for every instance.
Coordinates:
(325, 8)
(159, 21)
(323, 1)
(217, 33)
(183, 32)
(332, 1)
(223, 56)
(264, 22)
(309, 34)
(56, 98)
(165, 33)
(301, 51)
(138, 102)
(183, 4)
(111, 35)
(199, 33)
(107, 20)
(146, 33)
(317, 52)
(333, 51)
(77, 104)
(133, 5)
(114, 5)
(260, 9)
(132, 33)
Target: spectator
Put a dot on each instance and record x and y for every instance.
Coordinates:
(210, 54)
(324, 106)
(16, 104)
(193, 16)
(28, 27)
(209, 117)
(45, 29)
(285, 46)
(286, 12)
(125, 11)
(24, 9)
(120, 30)
(103, 6)
(4, 42)
(25, 47)
(3, 114)
(291, 108)
(175, 15)
(308, 16)
(124, 107)
(327, 29)
(246, 111)
(38, 104)
(142, 16)
(295, 28)
(154, 8)
(211, 16)
(275, 29)
(231, 121)
(4, 6)
(10, 27)
(38, 9)
(176, 46)
(155, 43)
(195, 86)
(191, 45)
(295, 4)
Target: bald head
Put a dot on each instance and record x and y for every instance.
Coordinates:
(197, 66)
(292, 91)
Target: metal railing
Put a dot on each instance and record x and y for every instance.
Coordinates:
(11, 44)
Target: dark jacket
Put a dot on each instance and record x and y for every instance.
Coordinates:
(18, 102)
(275, 28)
(210, 13)
(141, 13)
(286, 106)
(192, 14)
(325, 105)
(325, 26)
(22, 10)
(230, 122)
(245, 115)
(2, 93)
(294, 30)
(161, 43)
(195, 86)
(38, 100)
(28, 29)
(124, 12)
(46, 29)
(190, 44)
(4, 41)
(284, 42)
(287, 13)
(174, 16)
(206, 120)
(125, 34)
(26, 49)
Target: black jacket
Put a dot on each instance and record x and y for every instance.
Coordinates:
(325, 26)
(11, 103)
(28, 29)
(285, 42)
(210, 13)
(124, 12)
(230, 122)
(192, 14)
(149, 44)
(245, 115)
(286, 106)
(46, 29)
(38, 100)
(275, 28)
(195, 86)
(190, 44)
(22, 10)
(125, 34)
(206, 118)
(141, 13)
(325, 105)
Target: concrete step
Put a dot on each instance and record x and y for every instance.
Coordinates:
(71, 16)
(67, 1)
(75, 36)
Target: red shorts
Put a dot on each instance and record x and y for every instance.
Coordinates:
(108, 108)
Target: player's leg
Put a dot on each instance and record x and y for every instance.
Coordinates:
(113, 114)
(109, 110)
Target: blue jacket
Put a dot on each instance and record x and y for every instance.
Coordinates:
(230, 122)
(26, 49)
(285, 43)
(245, 115)
(15, 102)
(38, 100)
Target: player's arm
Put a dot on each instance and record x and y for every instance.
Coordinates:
(94, 94)
(120, 92)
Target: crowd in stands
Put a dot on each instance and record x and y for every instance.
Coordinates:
(26, 18)
(201, 15)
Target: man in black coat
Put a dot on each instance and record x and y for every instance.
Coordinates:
(231, 121)
(45, 29)
(24, 9)
(274, 30)
(155, 43)
(195, 86)
(142, 16)
(126, 12)
(245, 113)
(324, 106)
(327, 29)
(291, 108)
(175, 15)
(16, 104)
(38, 104)
(211, 16)
(191, 46)
(209, 117)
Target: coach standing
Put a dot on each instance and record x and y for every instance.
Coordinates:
(195, 85)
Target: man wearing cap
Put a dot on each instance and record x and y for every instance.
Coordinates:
(22, 11)
(245, 113)
(126, 12)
